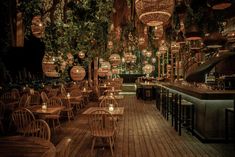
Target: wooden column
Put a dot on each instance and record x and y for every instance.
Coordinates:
(159, 65)
(177, 65)
(89, 75)
(163, 64)
(96, 82)
(172, 66)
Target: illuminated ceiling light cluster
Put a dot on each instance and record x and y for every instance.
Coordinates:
(154, 12)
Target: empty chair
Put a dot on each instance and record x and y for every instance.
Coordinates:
(21, 119)
(108, 99)
(77, 99)
(44, 96)
(55, 117)
(102, 125)
(38, 128)
(35, 99)
(63, 147)
(68, 108)
(24, 100)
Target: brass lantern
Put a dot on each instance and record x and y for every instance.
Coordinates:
(115, 59)
(37, 27)
(77, 73)
(81, 54)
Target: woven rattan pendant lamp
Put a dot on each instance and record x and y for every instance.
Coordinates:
(154, 12)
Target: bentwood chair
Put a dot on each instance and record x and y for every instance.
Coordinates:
(35, 99)
(38, 128)
(54, 118)
(44, 96)
(102, 125)
(24, 100)
(110, 100)
(68, 108)
(107, 100)
(21, 118)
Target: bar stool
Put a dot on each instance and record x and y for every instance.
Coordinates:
(164, 102)
(182, 114)
(227, 111)
(147, 93)
(158, 97)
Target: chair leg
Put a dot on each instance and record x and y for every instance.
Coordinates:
(93, 144)
(58, 122)
(111, 145)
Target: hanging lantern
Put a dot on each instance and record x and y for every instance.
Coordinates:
(153, 60)
(77, 73)
(144, 52)
(133, 58)
(101, 60)
(102, 73)
(148, 68)
(158, 31)
(148, 53)
(141, 41)
(37, 27)
(154, 12)
(49, 66)
(123, 60)
(163, 48)
(70, 58)
(81, 54)
(110, 44)
(115, 71)
(175, 47)
(105, 66)
(115, 59)
(158, 53)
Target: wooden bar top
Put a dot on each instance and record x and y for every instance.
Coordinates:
(201, 93)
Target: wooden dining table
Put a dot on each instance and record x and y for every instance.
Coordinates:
(37, 109)
(21, 146)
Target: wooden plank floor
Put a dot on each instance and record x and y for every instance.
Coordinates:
(142, 132)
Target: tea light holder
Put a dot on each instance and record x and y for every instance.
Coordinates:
(111, 107)
(84, 89)
(68, 95)
(44, 106)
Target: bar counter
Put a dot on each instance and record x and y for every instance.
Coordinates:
(209, 112)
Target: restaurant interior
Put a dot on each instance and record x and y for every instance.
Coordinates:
(122, 78)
